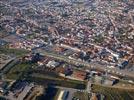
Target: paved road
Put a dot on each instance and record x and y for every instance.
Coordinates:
(88, 87)
(91, 65)
(9, 66)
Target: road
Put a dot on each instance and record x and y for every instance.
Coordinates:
(9, 66)
(92, 65)
(88, 89)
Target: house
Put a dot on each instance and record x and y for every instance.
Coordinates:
(52, 64)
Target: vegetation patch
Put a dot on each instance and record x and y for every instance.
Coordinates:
(114, 93)
(17, 52)
(49, 80)
(19, 70)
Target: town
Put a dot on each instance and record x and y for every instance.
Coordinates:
(66, 50)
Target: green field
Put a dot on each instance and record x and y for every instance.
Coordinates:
(18, 70)
(17, 52)
(43, 79)
(114, 93)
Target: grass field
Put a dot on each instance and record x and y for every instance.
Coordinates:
(114, 93)
(18, 70)
(17, 52)
(56, 81)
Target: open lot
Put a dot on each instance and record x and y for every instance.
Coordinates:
(114, 93)
(81, 95)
